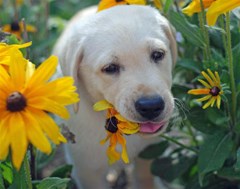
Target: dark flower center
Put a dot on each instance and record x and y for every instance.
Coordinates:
(214, 91)
(111, 124)
(119, 1)
(15, 26)
(16, 102)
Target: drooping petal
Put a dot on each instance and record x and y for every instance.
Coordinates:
(19, 142)
(213, 100)
(220, 7)
(102, 105)
(124, 154)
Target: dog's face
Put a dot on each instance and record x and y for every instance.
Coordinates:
(127, 57)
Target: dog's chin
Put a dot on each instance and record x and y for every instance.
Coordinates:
(151, 129)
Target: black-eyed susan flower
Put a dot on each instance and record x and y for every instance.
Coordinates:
(116, 126)
(17, 28)
(26, 97)
(105, 4)
(212, 90)
(215, 8)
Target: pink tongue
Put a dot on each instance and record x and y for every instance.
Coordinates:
(150, 127)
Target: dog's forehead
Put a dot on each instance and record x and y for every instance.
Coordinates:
(125, 27)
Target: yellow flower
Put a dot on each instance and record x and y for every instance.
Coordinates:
(212, 90)
(26, 97)
(105, 4)
(220, 7)
(215, 8)
(17, 28)
(116, 126)
(7, 50)
(195, 6)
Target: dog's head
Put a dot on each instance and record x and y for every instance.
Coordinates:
(125, 55)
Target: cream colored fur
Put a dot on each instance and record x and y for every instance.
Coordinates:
(125, 35)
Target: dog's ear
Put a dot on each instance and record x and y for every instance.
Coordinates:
(70, 55)
(171, 34)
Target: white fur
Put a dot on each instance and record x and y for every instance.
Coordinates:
(125, 35)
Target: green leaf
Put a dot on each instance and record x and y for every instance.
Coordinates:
(22, 178)
(154, 150)
(213, 153)
(7, 173)
(237, 164)
(167, 169)
(167, 6)
(229, 173)
(236, 58)
(53, 183)
(62, 172)
(189, 31)
(1, 178)
(190, 64)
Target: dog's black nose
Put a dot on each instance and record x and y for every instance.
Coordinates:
(150, 107)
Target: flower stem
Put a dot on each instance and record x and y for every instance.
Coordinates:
(27, 172)
(201, 17)
(178, 143)
(231, 70)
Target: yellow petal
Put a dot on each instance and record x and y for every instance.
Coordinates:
(204, 83)
(124, 154)
(4, 137)
(44, 72)
(29, 69)
(49, 106)
(214, 79)
(218, 101)
(220, 7)
(199, 91)
(208, 78)
(105, 4)
(47, 124)
(35, 134)
(17, 71)
(195, 6)
(60, 90)
(213, 101)
(136, 2)
(204, 98)
(157, 4)
(208, 103)
(102, 105)
(17, 129)
(61, 138)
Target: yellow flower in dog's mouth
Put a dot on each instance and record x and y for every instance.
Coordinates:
(25, 98)
(116, 126)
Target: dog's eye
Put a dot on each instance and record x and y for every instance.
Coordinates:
(157, 55)
(111, 69)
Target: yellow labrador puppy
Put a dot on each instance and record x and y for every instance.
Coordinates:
(124, 55)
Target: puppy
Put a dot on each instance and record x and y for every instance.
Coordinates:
(124, 55)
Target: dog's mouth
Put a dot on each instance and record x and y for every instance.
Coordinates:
(151, 128)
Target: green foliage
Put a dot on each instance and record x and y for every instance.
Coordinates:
(53, 183)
